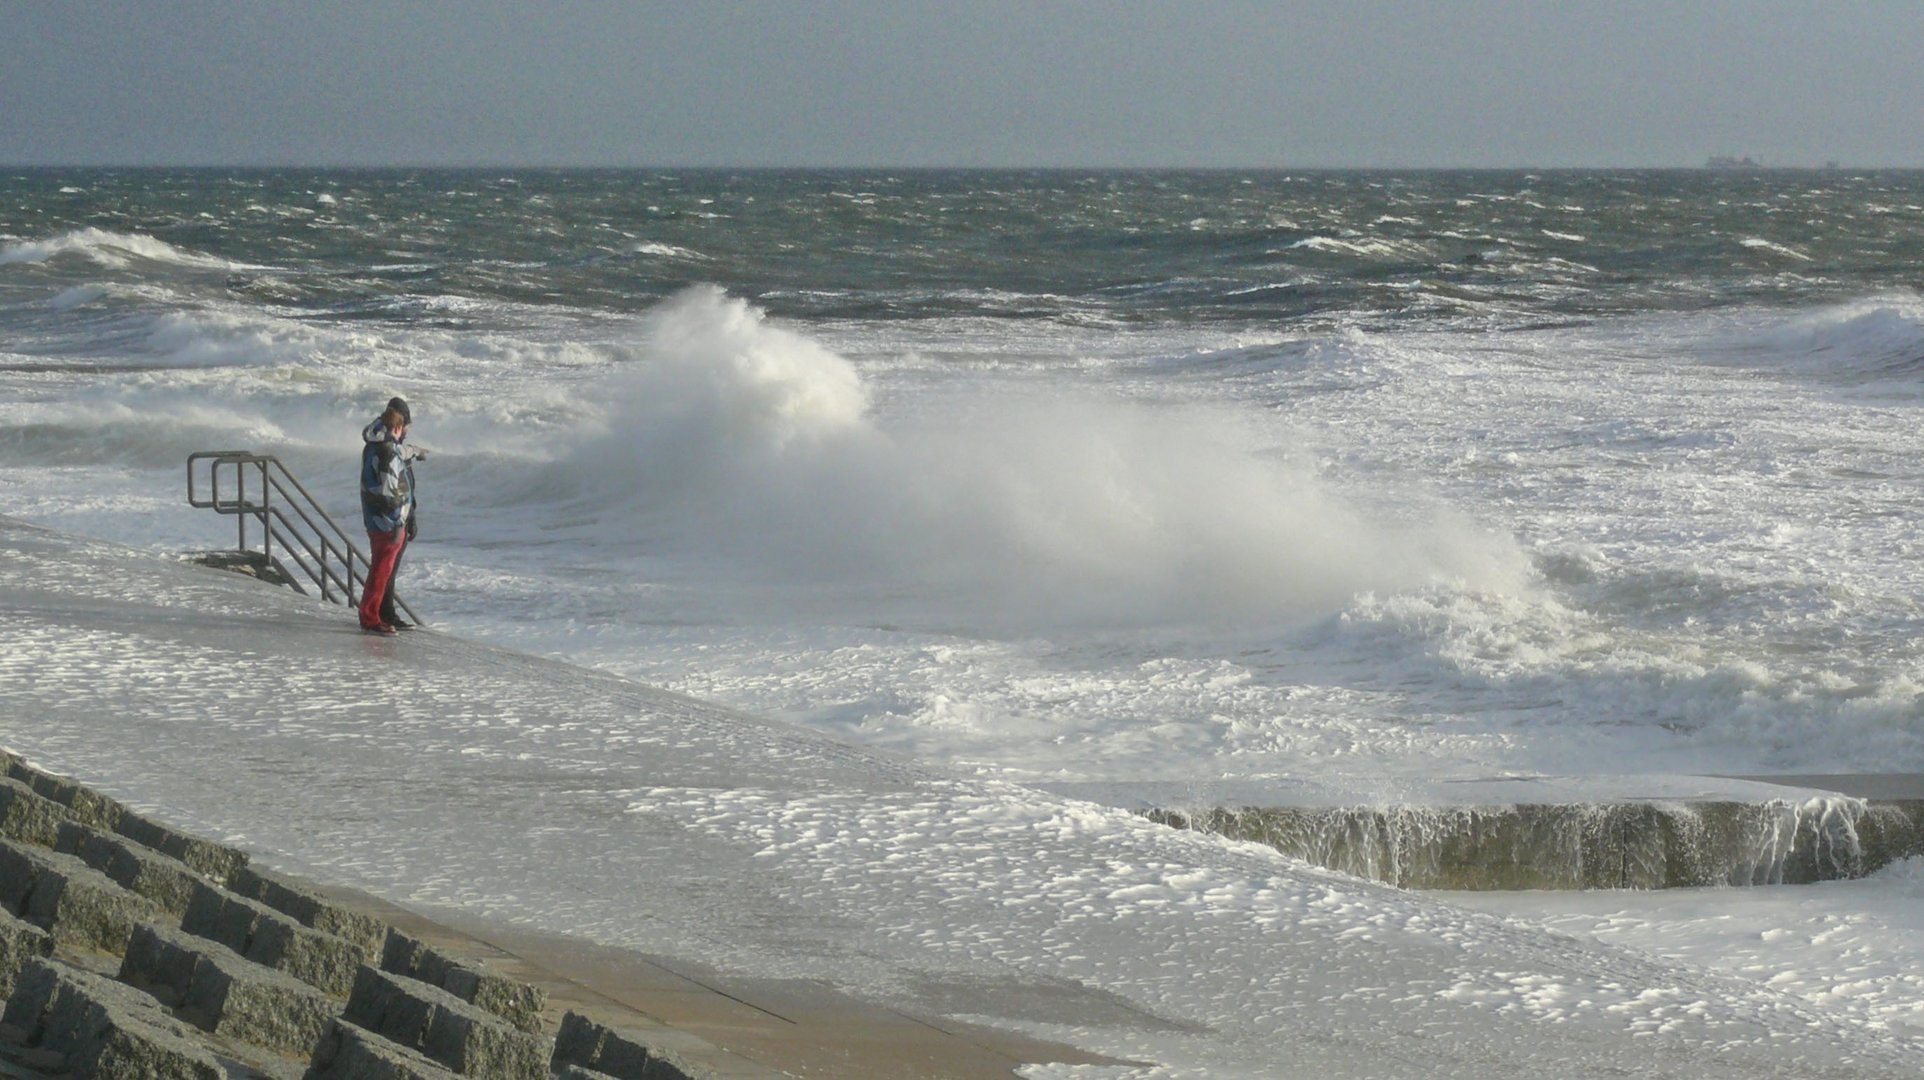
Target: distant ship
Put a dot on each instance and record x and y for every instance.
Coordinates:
(1719, 161)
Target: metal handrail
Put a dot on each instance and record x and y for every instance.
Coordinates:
(313, 541)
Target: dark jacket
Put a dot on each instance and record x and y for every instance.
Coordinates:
(387, 480)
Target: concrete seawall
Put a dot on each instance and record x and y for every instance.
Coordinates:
(1623, 845)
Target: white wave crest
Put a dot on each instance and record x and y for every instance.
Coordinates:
(1876, 338)
(110, 249)
(1759, 244)
(666, 251)
(1365, 246)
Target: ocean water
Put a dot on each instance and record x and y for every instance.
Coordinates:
(1183, 477)
(1369, 482)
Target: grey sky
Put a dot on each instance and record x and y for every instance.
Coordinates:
(967, 82)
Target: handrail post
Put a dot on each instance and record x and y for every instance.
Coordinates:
(240, 500)
(267, 533)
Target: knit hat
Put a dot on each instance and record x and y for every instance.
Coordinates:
(399, 406)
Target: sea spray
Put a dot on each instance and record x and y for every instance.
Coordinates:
(1009, 512)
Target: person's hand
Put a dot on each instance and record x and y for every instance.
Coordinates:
(420, 454)
(414, 524)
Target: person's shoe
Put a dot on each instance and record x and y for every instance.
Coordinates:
(400, 624)
(378, 628)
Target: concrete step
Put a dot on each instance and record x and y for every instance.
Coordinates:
(92, 1026)
(29, 817)
(224, 993)
(165, 880)
(20, 941)
(516, 1002)
(311, 909)
(586, 1049)
(272, 938)
(349, 1052)
(83, 803)
(447, 1030)
(79, 905)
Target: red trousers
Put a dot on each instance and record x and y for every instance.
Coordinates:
(378, 591)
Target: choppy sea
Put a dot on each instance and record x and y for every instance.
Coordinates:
(1367, 481)
(1185, 477)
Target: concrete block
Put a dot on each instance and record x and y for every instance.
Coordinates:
(210, 915)
(20, 867)
(104, 1029)
(164, 880)
(476, 1043)
(322, 961)
(448, 1030)
(161, 961)
(269, 937)
(312, 909)
(401, 954)
(220, 991)
(217, 861)
(79, 904)
(87, 805)
(385, 1004)
(20, 941)
(347, 1052)
(600, 1049)
(579, 1041)
(254, 1005)
(27, 816)
(510, 999)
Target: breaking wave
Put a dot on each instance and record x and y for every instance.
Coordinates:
(114, 250)
(1877, 339)
(1007, 505)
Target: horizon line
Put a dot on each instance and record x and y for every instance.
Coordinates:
(1827, 166)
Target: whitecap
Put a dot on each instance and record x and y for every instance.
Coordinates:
(112, 249)
(1759, 244)
(666, 251)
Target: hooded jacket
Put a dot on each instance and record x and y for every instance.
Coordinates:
(387, 479)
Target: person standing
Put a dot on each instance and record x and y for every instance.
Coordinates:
(387, 509)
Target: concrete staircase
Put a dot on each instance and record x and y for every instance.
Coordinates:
(131, 950)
